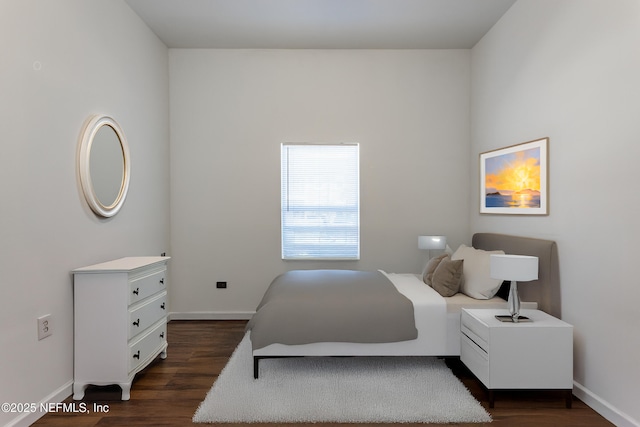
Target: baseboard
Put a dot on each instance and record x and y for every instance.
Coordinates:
(211, 315)
(28, 418)
(604, 408)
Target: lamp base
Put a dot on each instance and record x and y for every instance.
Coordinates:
(509, 319)
(514, 301)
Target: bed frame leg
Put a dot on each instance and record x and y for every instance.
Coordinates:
(256, 360)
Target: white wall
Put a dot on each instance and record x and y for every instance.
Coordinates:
(60, 62)
(569, 70)
(231, 109)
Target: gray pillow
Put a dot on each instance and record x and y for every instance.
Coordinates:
(431, 267)
(447, 277)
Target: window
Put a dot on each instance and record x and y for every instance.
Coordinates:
(320, 199)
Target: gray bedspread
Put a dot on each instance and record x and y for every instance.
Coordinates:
(307, 306)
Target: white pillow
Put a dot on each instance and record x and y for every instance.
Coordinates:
(476, 280)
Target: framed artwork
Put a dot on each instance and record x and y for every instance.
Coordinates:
(513, 180)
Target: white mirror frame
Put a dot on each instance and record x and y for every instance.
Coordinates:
(84, 154)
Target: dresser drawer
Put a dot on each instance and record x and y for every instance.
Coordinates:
(474, 358)
(149, 345)
(144, 315)
(147, 285)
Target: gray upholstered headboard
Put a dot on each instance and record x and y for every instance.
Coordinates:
(545, 290)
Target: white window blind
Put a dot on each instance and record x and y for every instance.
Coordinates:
(320, 201)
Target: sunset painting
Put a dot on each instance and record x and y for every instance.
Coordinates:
(513, 179)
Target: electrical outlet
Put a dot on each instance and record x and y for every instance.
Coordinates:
(45, 326)
(221, 285)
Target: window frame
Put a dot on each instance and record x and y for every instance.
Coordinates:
(287, 252)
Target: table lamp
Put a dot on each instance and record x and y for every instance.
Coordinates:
(516, 268)
(432, 242)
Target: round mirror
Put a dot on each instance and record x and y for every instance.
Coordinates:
(103, 164)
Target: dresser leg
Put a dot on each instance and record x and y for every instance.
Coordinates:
(126, 390)
(78, 390)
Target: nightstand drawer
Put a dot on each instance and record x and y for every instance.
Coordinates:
(474, 358)
(475, 329)
(484, 345)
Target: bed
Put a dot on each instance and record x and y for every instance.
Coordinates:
(398, 315)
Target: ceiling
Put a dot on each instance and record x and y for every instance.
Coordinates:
(320, 24)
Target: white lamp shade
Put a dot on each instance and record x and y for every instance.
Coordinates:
(432, 242)
(519, 268)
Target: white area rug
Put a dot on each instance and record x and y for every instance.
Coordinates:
(340, 390)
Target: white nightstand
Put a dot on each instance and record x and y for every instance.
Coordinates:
(526, 355)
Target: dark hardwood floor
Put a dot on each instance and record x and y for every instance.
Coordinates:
(168, 392)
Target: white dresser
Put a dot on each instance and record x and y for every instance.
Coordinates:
(120, 321)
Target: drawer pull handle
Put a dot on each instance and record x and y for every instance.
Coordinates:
(161, 334)
(162, 281)
(137, 323)
(137, 291)
(137, 355)
(162, 306)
